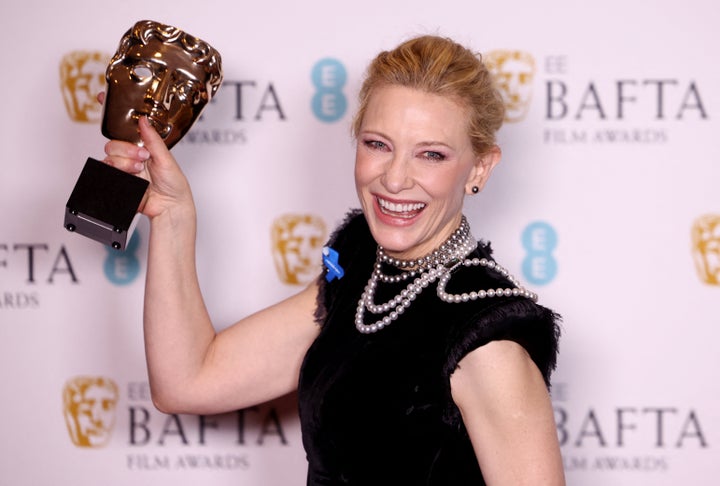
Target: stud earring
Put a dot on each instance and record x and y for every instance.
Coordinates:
(475, 189)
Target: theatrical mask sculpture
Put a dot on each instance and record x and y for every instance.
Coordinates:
(159, 72)
(89, 406)
(296, 241)
(706, 248)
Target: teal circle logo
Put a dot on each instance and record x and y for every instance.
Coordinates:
(539, 240)
(123, 267)
(329, 103)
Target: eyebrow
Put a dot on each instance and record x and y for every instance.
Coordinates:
(435, 143)
(425, 143)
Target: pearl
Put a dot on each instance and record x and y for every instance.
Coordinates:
(424, 271)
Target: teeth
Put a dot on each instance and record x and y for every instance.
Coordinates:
(400, 208)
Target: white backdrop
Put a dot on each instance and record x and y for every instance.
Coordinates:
(604, 178)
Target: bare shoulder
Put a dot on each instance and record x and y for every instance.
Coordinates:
(496, 367)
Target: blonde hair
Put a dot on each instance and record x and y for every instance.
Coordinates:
(440, 66)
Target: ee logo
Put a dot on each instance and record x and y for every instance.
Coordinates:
(329, 103)
(539, 240)
(122, 268)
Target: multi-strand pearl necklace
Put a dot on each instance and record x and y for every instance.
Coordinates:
(424, 271)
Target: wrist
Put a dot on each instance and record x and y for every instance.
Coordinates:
(178, 217)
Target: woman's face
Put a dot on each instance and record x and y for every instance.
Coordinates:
(413, 166)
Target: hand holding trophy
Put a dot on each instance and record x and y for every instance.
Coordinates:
(158, 72)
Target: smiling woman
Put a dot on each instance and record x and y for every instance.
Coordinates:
(425, 362)
(414, 164)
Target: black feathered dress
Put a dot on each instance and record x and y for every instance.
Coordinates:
(376, 409)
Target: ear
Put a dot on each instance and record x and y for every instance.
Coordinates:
(480, 173)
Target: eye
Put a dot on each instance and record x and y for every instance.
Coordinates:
(375, 144)
(433, 155)
(141, 72)
(182, 92)
(188, 90)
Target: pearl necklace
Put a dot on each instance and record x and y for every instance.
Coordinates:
(424, 271)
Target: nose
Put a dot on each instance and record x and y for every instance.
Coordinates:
(159, 92)
(397, 174)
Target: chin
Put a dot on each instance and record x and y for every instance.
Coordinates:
(396, 240)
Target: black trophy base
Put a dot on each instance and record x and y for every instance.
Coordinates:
(104, 203)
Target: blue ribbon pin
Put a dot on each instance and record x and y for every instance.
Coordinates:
(330, 260)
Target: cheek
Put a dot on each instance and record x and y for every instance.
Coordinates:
(124, 97)
(181, 111)
(363, 179)
(363, 171)
(450, 186)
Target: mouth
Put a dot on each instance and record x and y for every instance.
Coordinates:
(160, 126)
(398, 209)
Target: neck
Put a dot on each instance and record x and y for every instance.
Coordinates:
(455, 243)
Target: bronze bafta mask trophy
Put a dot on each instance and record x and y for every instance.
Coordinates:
(160, 72)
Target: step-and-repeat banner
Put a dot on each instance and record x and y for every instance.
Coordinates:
(606, 203)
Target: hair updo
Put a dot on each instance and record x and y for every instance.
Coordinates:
(440, 66)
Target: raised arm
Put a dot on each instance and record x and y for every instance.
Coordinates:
(506, 408)
(191, 368)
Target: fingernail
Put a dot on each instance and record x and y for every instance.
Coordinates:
(139, 166)
(143, 153)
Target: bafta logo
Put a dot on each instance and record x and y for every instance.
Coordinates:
(706, 248)
(89, 405)
(513, 72)
(297, 242)
(82, 77)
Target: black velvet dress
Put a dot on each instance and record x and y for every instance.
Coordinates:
(376, 409)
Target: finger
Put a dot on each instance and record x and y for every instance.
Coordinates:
(118, 148)
(126, 156)
(101, 97)
(127, 165)
(154, 143)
